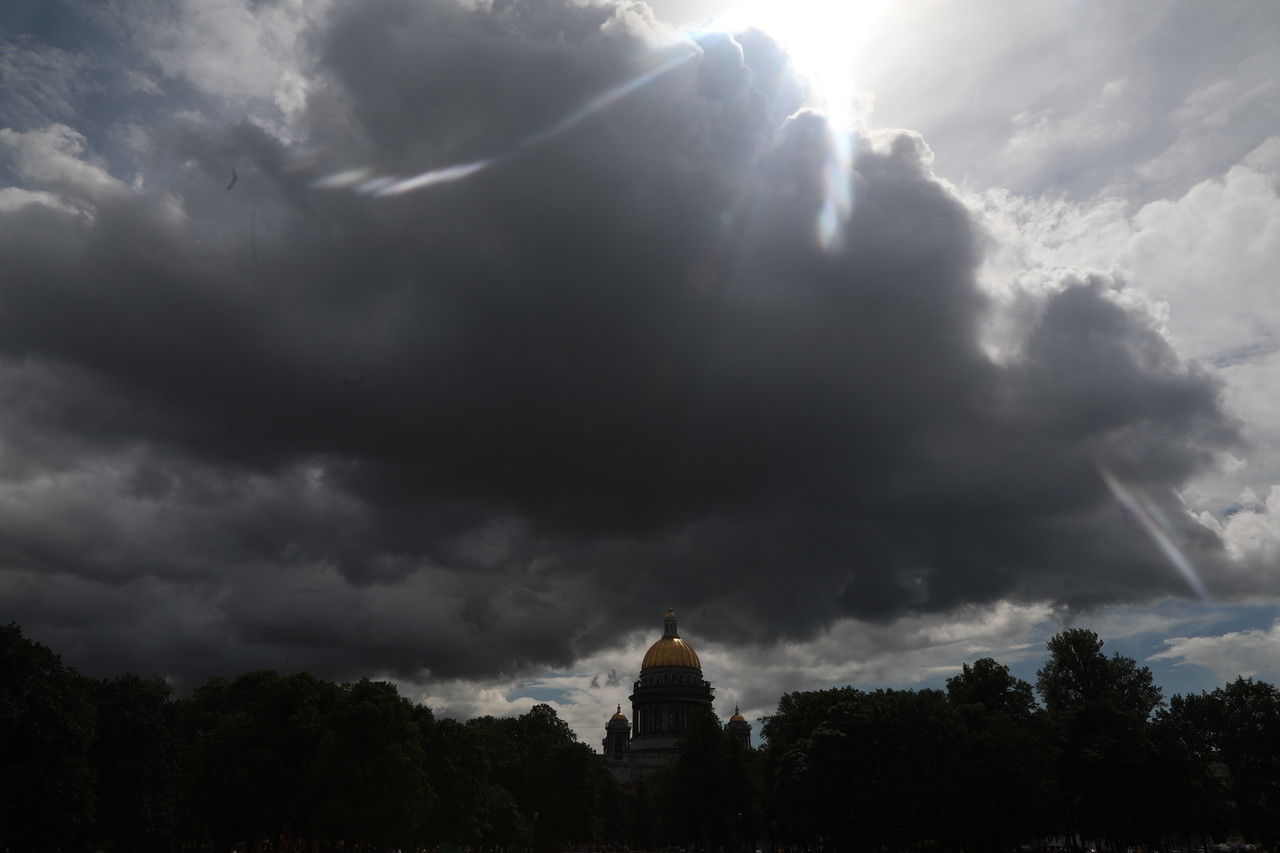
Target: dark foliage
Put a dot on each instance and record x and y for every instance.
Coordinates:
(135, 753)
(1103, 763)
(282, 763)
(46, 728)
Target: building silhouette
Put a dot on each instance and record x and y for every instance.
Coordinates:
(666, 696)
(739, 729)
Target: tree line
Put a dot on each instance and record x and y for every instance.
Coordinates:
(1091, 755)
(1100, 762)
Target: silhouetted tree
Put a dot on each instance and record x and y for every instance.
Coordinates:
(805, 777)
(990, 684)
(549, 750)
(252, 761)
(46, 728)
(557, 786)
(648, 829)
(1189, 803)
(1005, 790)
(855, 770)
(469, 809)
(698, 803)
(1240, 725)
(135, 753)
(744, 783)
(614, 810)
(1099, 707)
(375, 789)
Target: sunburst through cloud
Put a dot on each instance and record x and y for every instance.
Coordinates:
(824, 41)
(361, 350)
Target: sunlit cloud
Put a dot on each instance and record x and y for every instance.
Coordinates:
(823, 41)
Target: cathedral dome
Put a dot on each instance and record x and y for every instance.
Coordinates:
(670, 650)
(737, 716)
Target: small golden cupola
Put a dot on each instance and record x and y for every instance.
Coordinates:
(739, 729)
(617, 737)
(670, 650)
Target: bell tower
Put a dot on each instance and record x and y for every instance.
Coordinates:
(617, 737)
(739, 729)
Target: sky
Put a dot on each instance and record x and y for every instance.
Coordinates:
(452, 341)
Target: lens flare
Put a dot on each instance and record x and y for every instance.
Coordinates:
(363, 181)
(343, 180)
(373, 186)
(1152, 520)
(607, 98)
(435, 176)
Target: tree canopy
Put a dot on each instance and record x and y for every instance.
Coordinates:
(293, 762)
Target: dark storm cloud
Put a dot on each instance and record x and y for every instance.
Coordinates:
(492, 424)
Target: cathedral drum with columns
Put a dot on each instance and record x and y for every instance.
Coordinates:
(669, 691)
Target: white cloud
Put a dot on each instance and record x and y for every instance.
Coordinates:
(59, 170)
(1209, 255)
(15, 198)
(1251, 530)
(56, 158)
(1212, 255)
(240, 52)
(1266, 157)
(1251, 653)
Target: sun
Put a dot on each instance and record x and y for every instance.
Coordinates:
(824, 40)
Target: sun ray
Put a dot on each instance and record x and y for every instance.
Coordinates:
(363, 181)
(1151, 519)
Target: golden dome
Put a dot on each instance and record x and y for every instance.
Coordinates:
(737, 716)
(671, 651)
(618, 715)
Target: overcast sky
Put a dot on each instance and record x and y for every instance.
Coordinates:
(452, 342)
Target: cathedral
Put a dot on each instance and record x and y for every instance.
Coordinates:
(670, 689)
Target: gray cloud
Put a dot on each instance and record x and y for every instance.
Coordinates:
(491, 425)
